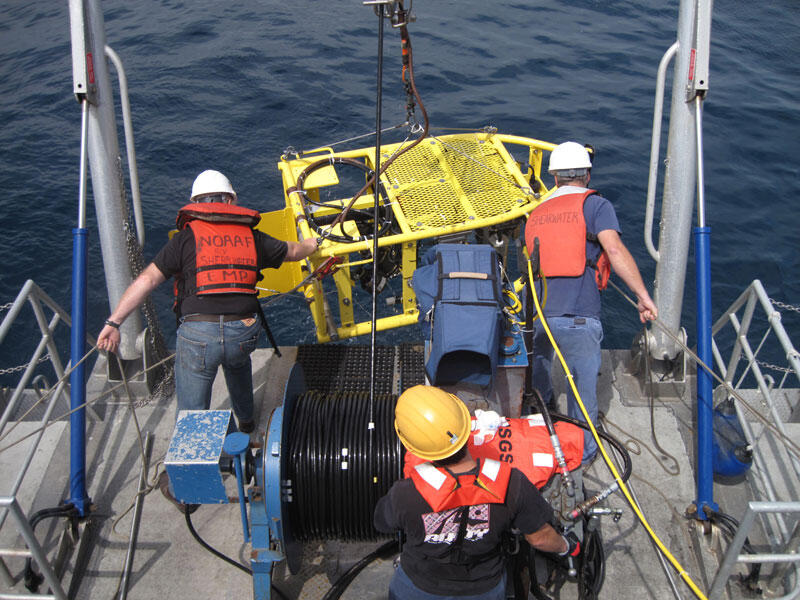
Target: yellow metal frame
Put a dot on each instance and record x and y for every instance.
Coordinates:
(445, 185)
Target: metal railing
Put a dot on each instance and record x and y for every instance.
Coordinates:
(46, 349)
(764, 408)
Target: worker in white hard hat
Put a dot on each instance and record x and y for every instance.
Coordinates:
(578, 243)
(454, 509)
(216, 258)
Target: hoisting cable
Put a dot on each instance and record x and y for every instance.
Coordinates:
(374, 180)
(728, 387)
(376, 197)
(667, 554)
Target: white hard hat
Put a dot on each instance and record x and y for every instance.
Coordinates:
(211, 182)
(568, 156)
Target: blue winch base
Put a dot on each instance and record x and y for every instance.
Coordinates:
(200, 441)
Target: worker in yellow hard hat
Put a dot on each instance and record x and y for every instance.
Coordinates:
(454, 508)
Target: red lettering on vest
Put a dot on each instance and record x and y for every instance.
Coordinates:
(560, 225)
(225, 259)
(525, 443)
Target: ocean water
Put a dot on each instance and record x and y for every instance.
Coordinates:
(230, 85)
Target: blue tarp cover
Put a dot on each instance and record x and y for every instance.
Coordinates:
(459, 293)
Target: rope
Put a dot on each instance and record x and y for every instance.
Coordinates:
(651, 402)
(728, 387)
(635, 445)
(622, 486)
(77, 408)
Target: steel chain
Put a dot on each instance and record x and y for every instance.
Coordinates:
(780, 304)
(767, 365)
(11, 370)
(6, 306)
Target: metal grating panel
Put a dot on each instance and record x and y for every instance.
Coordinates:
(451, 182)
(417, 165)
(488, 203)
(346, 368)
(435, 205)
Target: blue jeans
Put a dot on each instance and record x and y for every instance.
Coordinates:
(402, 588)
(579, 340)
(201, 348)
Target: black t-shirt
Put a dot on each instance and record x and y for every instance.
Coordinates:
(177, 259)
(430, 558)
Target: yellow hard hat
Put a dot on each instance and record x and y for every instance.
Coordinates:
(431, 423)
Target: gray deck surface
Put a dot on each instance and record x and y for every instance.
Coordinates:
(170, 564)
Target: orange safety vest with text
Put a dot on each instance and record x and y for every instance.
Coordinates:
(226, 260)
(560, 225)
(443, 490)
(524, 444)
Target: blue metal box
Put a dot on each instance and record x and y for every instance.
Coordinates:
(193, 458)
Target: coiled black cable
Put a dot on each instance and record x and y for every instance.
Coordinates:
(336, 481)
(618, 446)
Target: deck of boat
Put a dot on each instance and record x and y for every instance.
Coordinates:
(169, 563)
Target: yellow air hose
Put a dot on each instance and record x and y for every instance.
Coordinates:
(667, 554)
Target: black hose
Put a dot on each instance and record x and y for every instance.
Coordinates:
(316, 223)
(618, 446)
(593, 566)
(341, 584)
(219, 554)
(31, 578)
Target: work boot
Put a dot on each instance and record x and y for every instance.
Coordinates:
(163, 485)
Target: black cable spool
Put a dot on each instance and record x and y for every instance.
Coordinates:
(332, 501)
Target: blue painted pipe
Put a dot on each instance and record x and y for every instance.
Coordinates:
(77, 379)
(236, 445)
(705, 400)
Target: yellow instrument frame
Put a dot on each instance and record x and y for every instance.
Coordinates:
(445, 185)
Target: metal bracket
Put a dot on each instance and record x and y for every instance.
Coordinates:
(83, 82)
(699, 59)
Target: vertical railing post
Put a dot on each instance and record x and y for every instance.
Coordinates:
(77, 379)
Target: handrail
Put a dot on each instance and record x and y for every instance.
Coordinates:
(655, 144)
(37, 553)
(732, 556)
(769, 507)
(38, 300)
(130, 150)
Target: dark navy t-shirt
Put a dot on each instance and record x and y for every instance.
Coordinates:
(579, 295)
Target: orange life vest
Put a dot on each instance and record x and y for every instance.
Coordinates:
(226, 259)
(442, 490)
(560, 225)
(524, 444)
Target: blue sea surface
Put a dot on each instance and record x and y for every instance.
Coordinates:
(229, 86)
